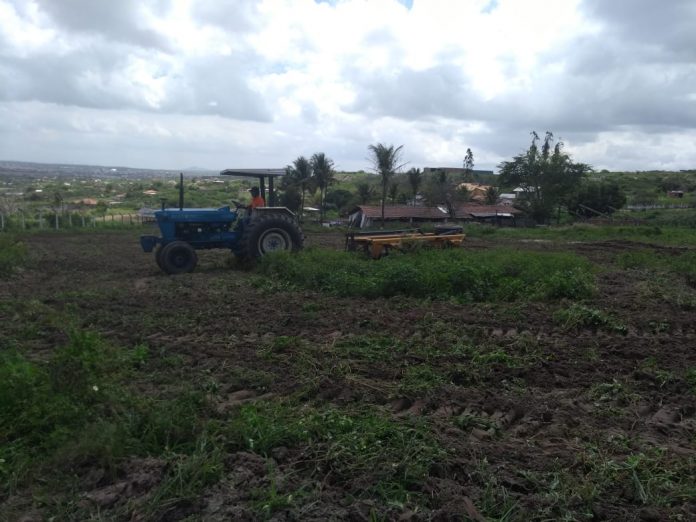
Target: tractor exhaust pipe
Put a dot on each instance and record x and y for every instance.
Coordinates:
(181, 191)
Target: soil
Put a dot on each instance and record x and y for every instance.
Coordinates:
(578, 393)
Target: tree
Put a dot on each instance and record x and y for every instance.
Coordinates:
(101, 208)
(9, 205)
(323, 177)
(462, 194)
(439, 190)
(300, 175)
(469, 165)
(385, 161)
(604, 197)
(341, 199)
(365, 192)
(415, 179)
(492, 195)
(291, 198)
(547, 178)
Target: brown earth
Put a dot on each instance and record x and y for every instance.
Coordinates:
(569, 411)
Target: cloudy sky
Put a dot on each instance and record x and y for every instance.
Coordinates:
(243, 83)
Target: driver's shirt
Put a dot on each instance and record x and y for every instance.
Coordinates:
(258, 201)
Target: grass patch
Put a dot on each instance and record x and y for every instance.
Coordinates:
(683, 265)
(75, 410)
(13, 254)
(350, 446)
(691, 378)
(580, 316)
(497, 275)
(667, 235)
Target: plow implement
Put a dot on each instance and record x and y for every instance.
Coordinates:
(378, 244)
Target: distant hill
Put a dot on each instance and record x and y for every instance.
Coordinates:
(58, 169)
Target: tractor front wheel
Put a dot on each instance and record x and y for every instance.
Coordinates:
(158, 256)
(177, 257)
(272, 232)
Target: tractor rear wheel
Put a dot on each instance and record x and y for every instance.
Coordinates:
(178, 257)
(270, 232)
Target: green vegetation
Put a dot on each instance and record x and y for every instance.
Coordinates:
(548, 176)
(647, 234)
(77, 408)
(497, 275)
(677, 263)
(580, 316)
(13, 254)
(346, 444)
(649, 478)
(121, 402)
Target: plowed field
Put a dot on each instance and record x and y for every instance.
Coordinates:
(315, 407)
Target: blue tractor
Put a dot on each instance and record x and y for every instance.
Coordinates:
(249, 234)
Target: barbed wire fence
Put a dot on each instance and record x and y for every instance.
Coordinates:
(22, 220)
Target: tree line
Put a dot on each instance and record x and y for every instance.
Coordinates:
(547, 180)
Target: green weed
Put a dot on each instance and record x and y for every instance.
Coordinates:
(188, 475)
(663, 235)
(419, 379)
(347, 445)
(269, 500)
(75, 408)
(651, 476)
(691, 378)
(581, 316)
(679, 264)
(498, 275)
(13, 254)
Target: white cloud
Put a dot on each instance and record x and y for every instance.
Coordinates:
(220, 83)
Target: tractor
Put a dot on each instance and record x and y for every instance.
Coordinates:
(249, 234)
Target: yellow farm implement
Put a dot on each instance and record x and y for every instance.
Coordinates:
(378, 244)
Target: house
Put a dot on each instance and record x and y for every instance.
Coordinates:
(507, 198)
(457, 171)
(367, 215)
(494, 214)
(87, 202)
(675, 194)
(477, 192)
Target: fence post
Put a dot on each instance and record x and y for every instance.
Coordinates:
(70, 220)
(57, 223)
(94, 222)
(24, 222)
(2, 222)
(83, 221)
(40, 220)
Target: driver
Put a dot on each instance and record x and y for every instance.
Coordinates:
(256, 199)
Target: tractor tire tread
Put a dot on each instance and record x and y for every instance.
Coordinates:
(249, 241)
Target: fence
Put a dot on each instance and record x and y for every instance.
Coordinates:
(52, 221)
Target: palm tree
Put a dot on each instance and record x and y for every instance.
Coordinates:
(415, 179)
(323, 176)
(302, 176)
(385, 161)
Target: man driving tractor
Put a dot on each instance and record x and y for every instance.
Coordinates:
(256, 199)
